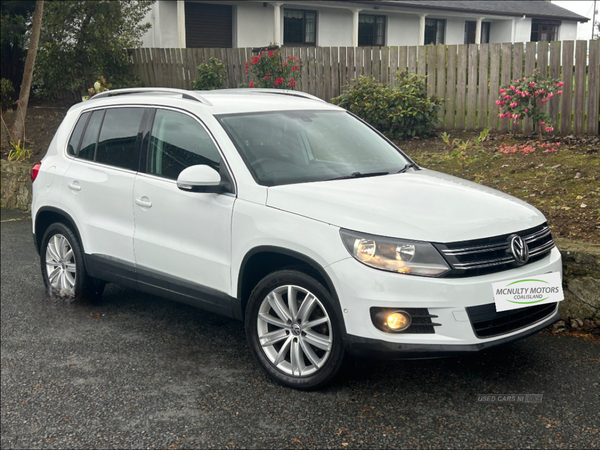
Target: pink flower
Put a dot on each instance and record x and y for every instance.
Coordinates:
(271, 53)
(560, 83)
(532, 84)
(247, 70)
(252, 83)
(550, 95)
(543, 123)
(559, 92)
(513, 104)
(549, 128)
(502, 91)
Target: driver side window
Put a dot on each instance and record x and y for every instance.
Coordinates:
(177, 142)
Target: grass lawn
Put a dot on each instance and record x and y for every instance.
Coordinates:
(564, 184)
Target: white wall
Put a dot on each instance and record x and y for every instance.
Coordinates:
(522, 30)
(254, 25)
(163, 34)
(567, 31)
(402, 29)
(500, 31)
(334, 27)
(455, 31)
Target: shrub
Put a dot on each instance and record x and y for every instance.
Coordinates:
(7, 93)
(210, 76)
(401, 112)
(269, 69)
(99, 86)
(527, 97)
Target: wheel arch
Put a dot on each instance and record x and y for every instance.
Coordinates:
(46, 216)
(262, 260)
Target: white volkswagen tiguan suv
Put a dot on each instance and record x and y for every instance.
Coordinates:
(289, 213)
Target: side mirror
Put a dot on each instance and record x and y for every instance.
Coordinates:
(200, 178)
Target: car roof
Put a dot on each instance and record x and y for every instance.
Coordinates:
(222, 101)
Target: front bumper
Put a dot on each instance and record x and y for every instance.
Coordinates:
(378, 349)
(448, 300)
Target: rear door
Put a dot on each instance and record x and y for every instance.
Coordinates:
(98, 189)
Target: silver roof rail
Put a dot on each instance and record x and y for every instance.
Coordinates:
(189, 95)
(270, 91)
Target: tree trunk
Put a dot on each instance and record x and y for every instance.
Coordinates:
(19, 123)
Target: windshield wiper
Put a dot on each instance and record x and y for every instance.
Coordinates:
(359, 175)
(409, 166)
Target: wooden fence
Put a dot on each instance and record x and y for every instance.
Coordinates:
(467, 76)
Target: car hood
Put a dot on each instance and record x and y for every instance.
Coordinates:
(421, 205)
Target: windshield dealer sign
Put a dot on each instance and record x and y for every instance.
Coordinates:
(528, 291)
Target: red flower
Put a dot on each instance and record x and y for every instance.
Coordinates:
(278, 81)
(252, 83)
(292, 82)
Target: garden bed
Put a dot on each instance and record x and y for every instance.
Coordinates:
(560, 178)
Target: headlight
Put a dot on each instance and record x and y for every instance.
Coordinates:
(395, 255)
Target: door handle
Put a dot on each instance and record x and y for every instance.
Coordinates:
(144, 202)
(74, 186)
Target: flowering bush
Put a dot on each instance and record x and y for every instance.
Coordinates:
(269, 69)
(527, 98)
(99, 86)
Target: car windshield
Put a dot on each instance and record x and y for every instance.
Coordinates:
(287, 147)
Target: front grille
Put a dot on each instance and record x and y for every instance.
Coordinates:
(420, 324)
(487, 322)
(489, 255)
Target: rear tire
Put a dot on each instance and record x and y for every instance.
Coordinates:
(63, 268)
(293, 330)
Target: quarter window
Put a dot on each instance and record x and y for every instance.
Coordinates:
(371, 30)
(179, 141)
(73, 147)
(434, 31)
(116, 146)
(299, 27)
(90, 138)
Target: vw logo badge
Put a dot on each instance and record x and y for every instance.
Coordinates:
(519, 249)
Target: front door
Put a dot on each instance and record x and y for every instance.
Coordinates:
(182, 239)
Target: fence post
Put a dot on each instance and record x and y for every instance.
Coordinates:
(593, 88)
(451, 88)
(472, 87)
(461, 86)
(567, 78)
(580, 66)
(483, 86)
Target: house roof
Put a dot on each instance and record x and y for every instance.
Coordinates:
(530, 8)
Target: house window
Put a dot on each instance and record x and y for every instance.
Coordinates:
(470, 29)
(371, 30)
(544, 30)
(434, 31)
(299, 27)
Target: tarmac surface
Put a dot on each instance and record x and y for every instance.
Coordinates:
(136, 371)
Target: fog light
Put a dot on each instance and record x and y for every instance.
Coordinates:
(397, 321)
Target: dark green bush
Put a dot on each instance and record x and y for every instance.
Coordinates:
(210, 76)
(401, 112)
(7, 93)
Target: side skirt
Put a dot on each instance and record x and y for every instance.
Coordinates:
(162, 285)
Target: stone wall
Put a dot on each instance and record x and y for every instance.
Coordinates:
(581, 262)
(16, 185)
(581, 284)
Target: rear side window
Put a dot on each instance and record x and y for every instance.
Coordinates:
(90, 138)
(73, 147)
(116, 145)
(179, 141)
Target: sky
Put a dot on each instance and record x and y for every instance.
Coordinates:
(584, 8)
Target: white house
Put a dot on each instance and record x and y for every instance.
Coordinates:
(250, 23)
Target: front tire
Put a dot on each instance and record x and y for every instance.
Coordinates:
(63, 269)
(293, 331)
